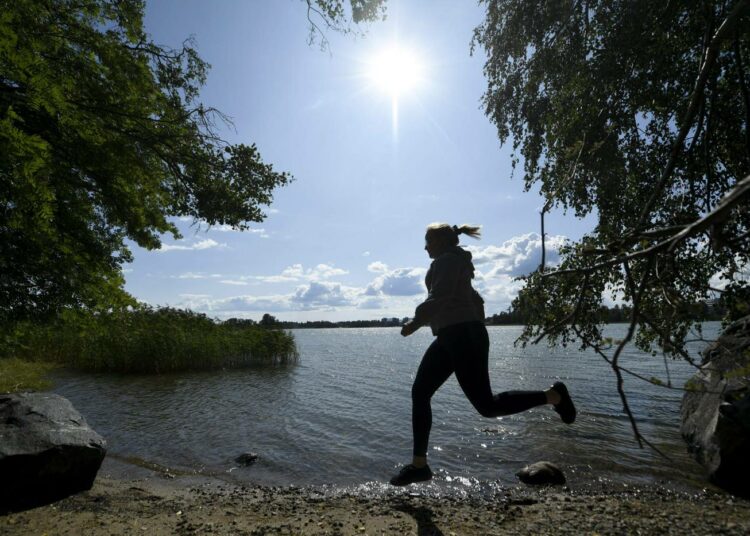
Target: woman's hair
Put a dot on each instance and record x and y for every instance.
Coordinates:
(450, 233)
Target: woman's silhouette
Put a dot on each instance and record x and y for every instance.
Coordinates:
(455, 312)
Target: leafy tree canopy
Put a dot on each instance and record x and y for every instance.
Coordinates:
(638, 112)
(338, 15)
(102, 138)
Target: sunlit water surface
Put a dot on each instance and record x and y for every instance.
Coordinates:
(342, 415)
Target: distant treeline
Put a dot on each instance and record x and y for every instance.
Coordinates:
(273, 322)
(703, 311)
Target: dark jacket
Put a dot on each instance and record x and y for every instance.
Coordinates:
(451, 299)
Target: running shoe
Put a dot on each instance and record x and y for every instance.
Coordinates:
(565, 407)
(410, 474)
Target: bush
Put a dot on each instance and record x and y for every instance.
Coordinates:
(147, 339)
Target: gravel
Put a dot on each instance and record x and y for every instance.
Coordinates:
(156, 505)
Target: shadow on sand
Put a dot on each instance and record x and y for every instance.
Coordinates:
(422, 515)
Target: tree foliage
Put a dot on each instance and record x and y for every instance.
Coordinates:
(637, 112)
(341, 16)
(103, 139)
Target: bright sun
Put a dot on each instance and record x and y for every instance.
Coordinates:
(396, 71)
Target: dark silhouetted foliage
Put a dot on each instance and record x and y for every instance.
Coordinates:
(102, 139)
(637, 112)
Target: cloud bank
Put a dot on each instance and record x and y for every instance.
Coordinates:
(390, 291)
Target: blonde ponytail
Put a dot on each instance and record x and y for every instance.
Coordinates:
(473, 231)
(450, 233)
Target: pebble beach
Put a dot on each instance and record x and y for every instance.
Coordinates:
(163, 504)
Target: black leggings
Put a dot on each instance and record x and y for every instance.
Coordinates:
(463, 349)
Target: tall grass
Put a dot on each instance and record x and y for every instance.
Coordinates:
(19, 375)
(147, 340)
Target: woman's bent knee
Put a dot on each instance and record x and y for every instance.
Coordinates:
(485, 409)
(419, 395)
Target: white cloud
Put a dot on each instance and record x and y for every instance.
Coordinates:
(498, 267)
(517, 256)
(235, 304)
(365, 253)
(275, 278)
(233, 282)
(224, 228)
(207, 243)
(391, 292)
(498, 292)
(228, 229)
(297, 272)
(324, 271)
(377, 267)
(398, 282)
(496, 280)
(323, 293)
(196, 275)
(324, 296)
(252, 303)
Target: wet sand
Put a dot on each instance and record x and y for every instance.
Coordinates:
(157, 503)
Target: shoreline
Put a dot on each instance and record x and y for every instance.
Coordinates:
(150, 502)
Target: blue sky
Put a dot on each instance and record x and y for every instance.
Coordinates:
(345, 240)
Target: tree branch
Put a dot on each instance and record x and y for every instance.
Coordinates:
(572, 315)
(315, 27)
(548, 204)
(741, 189)
(745, 94)
(696, 96)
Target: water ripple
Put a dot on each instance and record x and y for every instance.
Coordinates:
(342, 416)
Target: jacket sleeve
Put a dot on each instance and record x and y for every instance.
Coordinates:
(444, 278)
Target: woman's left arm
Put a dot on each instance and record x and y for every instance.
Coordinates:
(445, 273)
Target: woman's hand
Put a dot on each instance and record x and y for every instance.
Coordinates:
(409, 328)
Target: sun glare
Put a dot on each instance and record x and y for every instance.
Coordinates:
(396, 71)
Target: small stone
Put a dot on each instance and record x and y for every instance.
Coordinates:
(248, 458)
(541, 473)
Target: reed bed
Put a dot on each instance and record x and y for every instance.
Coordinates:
(20, 375)
(147, 340)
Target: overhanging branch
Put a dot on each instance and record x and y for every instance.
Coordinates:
(728, 202)
(695, 98)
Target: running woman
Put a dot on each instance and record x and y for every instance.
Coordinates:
(455, 313)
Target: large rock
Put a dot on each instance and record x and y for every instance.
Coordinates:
(47, 451)
(716, 410)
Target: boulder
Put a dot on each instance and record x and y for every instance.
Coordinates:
(715, 410)
(541, 473)
(47, 451)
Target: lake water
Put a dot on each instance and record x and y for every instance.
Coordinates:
(342, 415)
